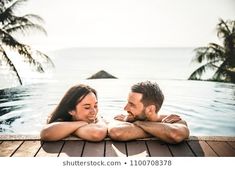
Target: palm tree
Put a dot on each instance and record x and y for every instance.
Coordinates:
(10, 25)
(219, 58)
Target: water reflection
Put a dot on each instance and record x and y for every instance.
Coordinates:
(226, 88)
(6, 123)
(208, 107)
(7, 109)
(11, 100)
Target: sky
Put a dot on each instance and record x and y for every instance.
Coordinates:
(128, 23)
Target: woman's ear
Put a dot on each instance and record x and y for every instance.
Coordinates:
(72, 112)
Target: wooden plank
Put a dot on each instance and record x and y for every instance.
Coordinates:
(93, 149)
(28, 149)
(212, 138)
(72, 149)
(181, 150)
(232, 144)
(223, 149)
(158, 148)
(18, 137)
(7, 148)
(115, 149)
(137, 148)
(50, 149)
(147, 147)
(202, 149)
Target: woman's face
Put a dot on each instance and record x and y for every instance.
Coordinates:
(87, 109)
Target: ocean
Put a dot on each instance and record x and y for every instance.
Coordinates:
(208, 107)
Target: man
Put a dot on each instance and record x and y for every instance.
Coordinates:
(143, 120)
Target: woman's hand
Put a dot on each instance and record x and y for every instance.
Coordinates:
(81, 123)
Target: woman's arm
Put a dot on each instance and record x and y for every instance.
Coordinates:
(93, 131)
(59, 130)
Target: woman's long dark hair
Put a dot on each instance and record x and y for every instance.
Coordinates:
(68, 103)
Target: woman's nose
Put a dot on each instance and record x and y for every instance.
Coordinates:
(93, 111)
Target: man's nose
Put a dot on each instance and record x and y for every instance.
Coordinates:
(126, 107)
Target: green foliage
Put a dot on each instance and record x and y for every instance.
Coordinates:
(220, 59)
(10, 25)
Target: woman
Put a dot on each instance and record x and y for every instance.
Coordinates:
(76, 114)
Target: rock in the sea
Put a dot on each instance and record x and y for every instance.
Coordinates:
(102, 75)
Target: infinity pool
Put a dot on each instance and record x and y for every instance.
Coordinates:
(208, 107)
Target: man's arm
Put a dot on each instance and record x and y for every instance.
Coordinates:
(168, 132)
(93, 131)
(159, 118)
(124, 131)
(59, 130)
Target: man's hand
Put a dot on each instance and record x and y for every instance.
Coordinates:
(171, 118)
(120, 117)
(138, 123)
(127, 118)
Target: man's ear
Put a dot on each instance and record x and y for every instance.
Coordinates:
(150, 110)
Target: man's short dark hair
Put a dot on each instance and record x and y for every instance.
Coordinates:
(152, 93)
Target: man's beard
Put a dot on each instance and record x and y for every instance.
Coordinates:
(142, 116)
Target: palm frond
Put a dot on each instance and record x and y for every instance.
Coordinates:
(11, 24)
(202, 69)
(24, 24)
(25, 29)
(6, 13)
(14, 6)
(200, 54)
(210, 53)
(197, 73)
(9, 62)
(45, 59)
(220, 74)
(226, 65)
(3, 2)
(33, 17)
(22, 49)
(223, 29)
(217, 57)
(233, 26)
(216, 47)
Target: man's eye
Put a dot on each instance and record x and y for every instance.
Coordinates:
(132, 105)
(87, 107)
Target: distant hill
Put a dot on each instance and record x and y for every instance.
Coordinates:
(102, 75)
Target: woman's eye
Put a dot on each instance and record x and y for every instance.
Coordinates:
(87, 108)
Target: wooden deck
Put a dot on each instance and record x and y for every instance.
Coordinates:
(32, 146)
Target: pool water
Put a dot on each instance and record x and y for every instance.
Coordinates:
(208, 107)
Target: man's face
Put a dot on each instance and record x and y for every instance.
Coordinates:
(134, 107)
